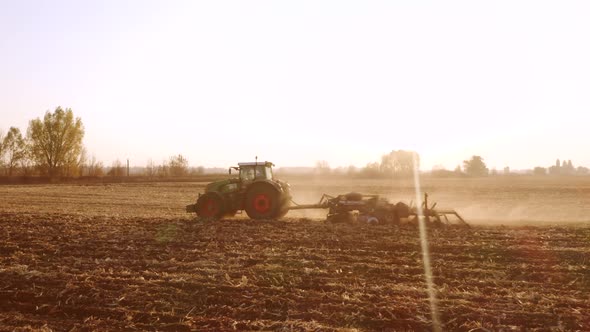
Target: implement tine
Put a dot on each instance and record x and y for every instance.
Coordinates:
(460, 218)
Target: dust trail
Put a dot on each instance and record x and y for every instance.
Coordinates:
(425, 252)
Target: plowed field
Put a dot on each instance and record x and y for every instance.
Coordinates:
(126, 257)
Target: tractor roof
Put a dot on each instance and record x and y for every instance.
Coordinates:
(259, 163)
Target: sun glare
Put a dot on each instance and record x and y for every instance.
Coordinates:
(425, 252)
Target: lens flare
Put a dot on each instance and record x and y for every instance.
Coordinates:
(425, 251)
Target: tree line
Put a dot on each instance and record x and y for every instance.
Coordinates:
(401, 163)
(52, 147)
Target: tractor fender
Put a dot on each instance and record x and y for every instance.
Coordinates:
(282, 188)
(266, 182)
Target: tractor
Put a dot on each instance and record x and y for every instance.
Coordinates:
(255, 190)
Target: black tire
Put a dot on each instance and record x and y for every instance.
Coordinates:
(402, 210)
(210, 206)
(263, 201)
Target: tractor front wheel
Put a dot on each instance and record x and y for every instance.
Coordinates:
(210, 205)
(262, 202)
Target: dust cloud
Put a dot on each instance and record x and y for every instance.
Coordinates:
(478, 201)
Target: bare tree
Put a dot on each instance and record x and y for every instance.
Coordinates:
(163, 170)
(371, 170)
(117, 169)
(2, 152)
(95, 168)
(400, 162)
(178, 165)
(150, 168)
(199, 170)
(56, 141)
(15, 149)
(322, 167)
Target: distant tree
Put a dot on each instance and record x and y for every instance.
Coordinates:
(400, 162)
(475, 166)
(77, 167)
(2, 152)
(199, 170)
(539, 171)
(322, 167)
(56, 141)
(82, 163)
(458, 170)
(95, 168)
(506, 170)
(440, 171)
(582, 170)
(27, 166)
(150, 168)
(569, 168)
(178, 165)
(371, 170)
(163, 170)
(117, 169)
(352, 170)
(15, 148)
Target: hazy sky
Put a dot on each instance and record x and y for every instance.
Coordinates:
(300, 81)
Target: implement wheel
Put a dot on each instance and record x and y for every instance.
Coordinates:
(210, 206)
(263, 202)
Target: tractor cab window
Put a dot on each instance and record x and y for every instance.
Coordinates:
(268, 172)
(255, 172)
(247, 174)
(263, 172)
(260, 172)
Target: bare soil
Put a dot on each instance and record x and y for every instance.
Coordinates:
(127, 257)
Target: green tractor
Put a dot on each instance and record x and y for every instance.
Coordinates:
(255, 190)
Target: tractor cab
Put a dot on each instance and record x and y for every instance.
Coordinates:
(254, 171)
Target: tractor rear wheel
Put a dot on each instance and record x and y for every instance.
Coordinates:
(263, 202)
(211, 206)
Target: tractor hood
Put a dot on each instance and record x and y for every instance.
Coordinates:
(216, 186)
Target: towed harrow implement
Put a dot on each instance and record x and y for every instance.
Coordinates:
(376, 209)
